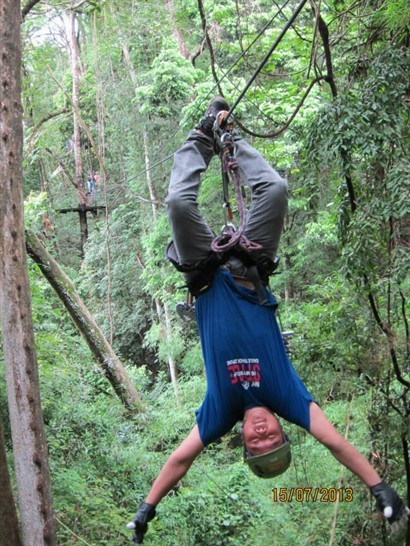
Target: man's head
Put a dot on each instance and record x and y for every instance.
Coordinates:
(266, 447)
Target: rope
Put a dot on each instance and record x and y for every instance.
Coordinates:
(72, 532)
(261, 32)
(224, 75)
(229, 164)
(230, 238)
(289, 23)
(247, 244)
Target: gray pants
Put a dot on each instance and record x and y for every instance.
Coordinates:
(192, 235)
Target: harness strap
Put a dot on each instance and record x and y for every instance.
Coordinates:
(200, 275)
(235, 242)
(231, 243)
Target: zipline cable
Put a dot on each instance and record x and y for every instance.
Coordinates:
(231, 238)
(289, 23)
(261, 32)
(224, 75)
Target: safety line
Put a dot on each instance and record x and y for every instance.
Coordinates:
(280, 9)
(268, 54)
(224, 75)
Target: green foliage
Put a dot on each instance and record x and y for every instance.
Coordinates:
(104, 460)
(132, 305)
(395, 15)
(169, 82)
(235, 514)
(35, 208)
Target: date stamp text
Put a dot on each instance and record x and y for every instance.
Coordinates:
(312, 494)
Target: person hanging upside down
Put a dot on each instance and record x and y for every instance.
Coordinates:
(249, 375)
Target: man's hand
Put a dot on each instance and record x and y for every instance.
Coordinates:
(139, 524)
(391, 505)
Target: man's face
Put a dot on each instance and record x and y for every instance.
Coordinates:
(261, 431)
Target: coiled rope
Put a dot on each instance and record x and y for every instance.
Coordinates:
(231, 171)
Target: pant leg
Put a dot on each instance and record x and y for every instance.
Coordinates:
(192, 235)
(269, 197)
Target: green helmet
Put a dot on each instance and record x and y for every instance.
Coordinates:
(272, 463)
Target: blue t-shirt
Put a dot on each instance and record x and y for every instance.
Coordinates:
(245, 360)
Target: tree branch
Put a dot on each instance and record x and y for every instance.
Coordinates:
(109, 362)
(209, 43)
(387, 332)
(47, 117)
(60, 164)
(28, 7)
(324, 34)
(291, 118)
(199, 52)
(406, 322)
(84, 126)
(388, 399)
(37, 126)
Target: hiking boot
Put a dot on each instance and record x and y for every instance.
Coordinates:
(217, 104)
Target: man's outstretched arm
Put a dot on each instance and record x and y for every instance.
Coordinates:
(388, 502)
(323, 430)
(174, 469)
(176, 466)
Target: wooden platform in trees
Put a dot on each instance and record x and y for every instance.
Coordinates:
(92, 209)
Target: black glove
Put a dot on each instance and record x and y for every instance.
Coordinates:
(391, 505)
(139, 524)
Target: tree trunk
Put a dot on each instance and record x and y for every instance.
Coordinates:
(101, 149)
(79, 177)
(164, 321)
(128, 62)
(29, 447)
(103, 352)
(173, 371)
(175, 30)
(150, 185)
(162, 308)
(9, 528)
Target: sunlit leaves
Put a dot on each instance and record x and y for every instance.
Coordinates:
(168, 83)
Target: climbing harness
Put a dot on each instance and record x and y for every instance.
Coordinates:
(234, 242)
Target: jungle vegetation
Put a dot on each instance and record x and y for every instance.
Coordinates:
(112, 88)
